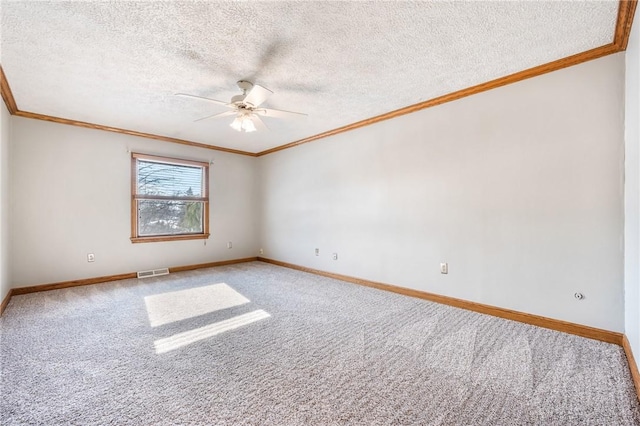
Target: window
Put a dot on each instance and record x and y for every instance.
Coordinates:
(169, 199)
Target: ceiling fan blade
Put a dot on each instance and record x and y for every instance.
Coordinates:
(278, 113)
(215, 101)
(257, 95)
(259, 123)
(217, 115)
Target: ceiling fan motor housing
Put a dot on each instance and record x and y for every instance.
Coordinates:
(238, 99)
(245, 85)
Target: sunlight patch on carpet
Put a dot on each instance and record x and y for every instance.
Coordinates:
(178, 305)
(182, 339)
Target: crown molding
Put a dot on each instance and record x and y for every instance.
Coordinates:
(12, 107)
(449, 97)
(87, 125)
(626, 12)
(7, 95)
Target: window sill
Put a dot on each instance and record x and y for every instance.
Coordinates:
(160, 238)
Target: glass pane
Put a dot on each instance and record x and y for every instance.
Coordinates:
(169, 179)
(161, 217)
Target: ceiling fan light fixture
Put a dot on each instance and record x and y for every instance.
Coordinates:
(236, 124)
(247, 125)
(243, 123)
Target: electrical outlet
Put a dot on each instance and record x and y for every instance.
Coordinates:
(91, 257)
(444, 268)
(229, 245)
(317, 252)
(261, 251)
(335, 256)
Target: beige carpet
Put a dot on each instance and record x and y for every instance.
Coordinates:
(257, 344)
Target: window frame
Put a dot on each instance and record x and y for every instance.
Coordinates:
(135, 237)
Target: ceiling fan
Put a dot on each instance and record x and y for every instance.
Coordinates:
(246, 107)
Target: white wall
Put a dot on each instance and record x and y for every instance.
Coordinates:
(519, 189)
(632, 191)
(71, 196)
(5, 135)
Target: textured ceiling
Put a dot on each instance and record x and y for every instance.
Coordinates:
(119, 64)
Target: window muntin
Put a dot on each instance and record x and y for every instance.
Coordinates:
(170, 199)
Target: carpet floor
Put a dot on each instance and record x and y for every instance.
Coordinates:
(257, 344)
